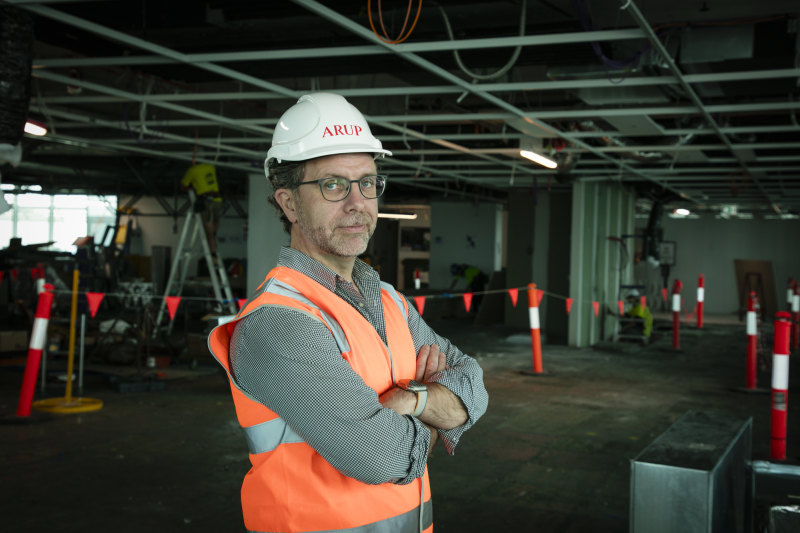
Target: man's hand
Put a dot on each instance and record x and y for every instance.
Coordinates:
(430, 360)
(400, 401)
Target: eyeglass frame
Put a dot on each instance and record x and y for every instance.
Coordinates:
(349, 186)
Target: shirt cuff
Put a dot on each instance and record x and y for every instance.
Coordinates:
(419, 452)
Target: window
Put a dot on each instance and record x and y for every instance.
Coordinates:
(60, 218)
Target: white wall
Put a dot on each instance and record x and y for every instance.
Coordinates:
(265, 234)
(453, 225)
(708, 246)
(164, 230)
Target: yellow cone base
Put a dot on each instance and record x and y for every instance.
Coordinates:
(61, 405)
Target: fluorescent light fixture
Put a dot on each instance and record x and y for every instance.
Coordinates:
(400, 216)
(35, 128)
(536, 158)
(682, 212)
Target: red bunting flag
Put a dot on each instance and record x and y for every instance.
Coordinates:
(596, 306)
(241, 302)
(621, 306)
(539, 295)
(514, 294)
(420, 301)
(569, 304)
(172, 305)
(643, 301)
(14, 274)
(94, 299)
(664, 293)
(467, 300)
(2, 273)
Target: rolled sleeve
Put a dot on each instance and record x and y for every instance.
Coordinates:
(289, 361)
(464, 377)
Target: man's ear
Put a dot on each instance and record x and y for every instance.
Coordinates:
(287, 201)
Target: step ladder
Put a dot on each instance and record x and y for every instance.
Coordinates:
(192, 231)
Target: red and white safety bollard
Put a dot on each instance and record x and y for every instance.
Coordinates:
(701, 296)
(35, 347)
(790, 293)
(536, 335)
(676, 314)
(795, 317)
(780, 385)
(752, 341)
(417, 279)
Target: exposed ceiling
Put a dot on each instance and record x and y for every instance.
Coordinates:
(690, 101)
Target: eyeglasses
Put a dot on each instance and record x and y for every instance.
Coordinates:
(335, 189)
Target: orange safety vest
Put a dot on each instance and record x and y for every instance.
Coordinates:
(292, 488)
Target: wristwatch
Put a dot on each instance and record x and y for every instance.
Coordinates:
(420, 389)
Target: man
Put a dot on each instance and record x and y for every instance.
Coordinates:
(203, 179)
(341, 387)
(641, 319)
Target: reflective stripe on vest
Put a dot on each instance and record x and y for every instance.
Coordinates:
(268, 435)
(396, 297)
(281, 288)
(405, 523)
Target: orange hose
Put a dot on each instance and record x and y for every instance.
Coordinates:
(405, 22)
(380, 18)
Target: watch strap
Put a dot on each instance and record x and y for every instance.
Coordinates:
(422, 401)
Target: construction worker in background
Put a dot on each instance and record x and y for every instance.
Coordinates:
(642, 323)
(474, 279)
(203, 179)
(341, 387)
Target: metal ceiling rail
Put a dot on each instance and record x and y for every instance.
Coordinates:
(78, 141)
(124, 38)
(428, 118)
(156, 135)
(550, 85)
(447, 89)
(133, 41)
(631, 7)
(216, 119)
(362, 50)
(531, 118)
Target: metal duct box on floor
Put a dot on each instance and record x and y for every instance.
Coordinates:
(693, 478)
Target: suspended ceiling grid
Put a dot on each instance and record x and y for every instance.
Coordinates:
(706, 115)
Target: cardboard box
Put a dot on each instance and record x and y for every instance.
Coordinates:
(13, 341)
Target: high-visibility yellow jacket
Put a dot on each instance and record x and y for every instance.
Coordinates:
(203, 178)
(292, 488)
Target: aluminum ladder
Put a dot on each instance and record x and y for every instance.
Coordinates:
(185, 253)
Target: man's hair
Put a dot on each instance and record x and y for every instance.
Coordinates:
(285, 175)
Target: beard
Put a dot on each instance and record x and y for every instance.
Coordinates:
(329, 240)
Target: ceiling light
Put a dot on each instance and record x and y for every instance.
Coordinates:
(35, 128)
(403, 216)
(682, 212)
(536, 158)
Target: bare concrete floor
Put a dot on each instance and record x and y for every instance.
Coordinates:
(551, 455)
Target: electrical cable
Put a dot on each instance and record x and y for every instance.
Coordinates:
(405, 22)
(505, 68)
(400, 38)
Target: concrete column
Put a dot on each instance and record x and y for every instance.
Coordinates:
(598, 265)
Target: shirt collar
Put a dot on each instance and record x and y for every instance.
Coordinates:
(297, 260)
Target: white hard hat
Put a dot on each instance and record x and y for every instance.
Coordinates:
(633, 293)
(321, 124)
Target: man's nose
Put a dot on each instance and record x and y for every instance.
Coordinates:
(355, 201)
